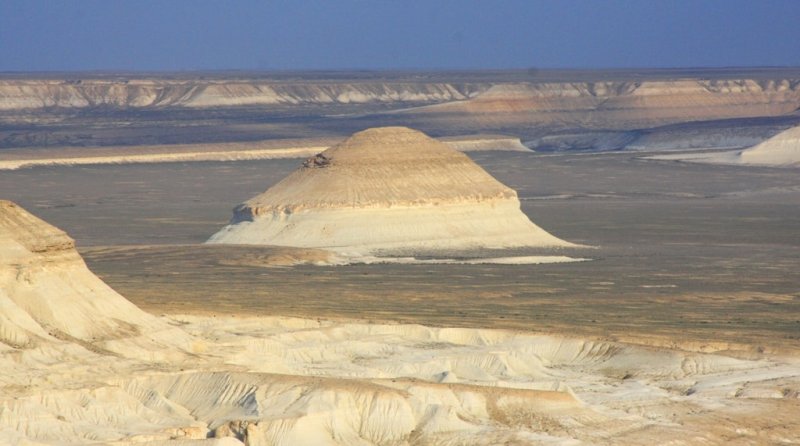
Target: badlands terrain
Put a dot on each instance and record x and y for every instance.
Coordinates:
(83, 365)
(680, 325)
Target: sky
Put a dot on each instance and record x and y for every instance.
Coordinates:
(188, 35)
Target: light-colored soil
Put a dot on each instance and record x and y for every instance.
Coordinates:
(707, 252)
(81, 364)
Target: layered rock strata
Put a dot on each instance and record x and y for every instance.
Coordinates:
(616, 105)
(387, 189)
(48, 295)
(23, 94)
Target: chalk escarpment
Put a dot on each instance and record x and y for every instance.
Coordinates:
(47, 294)
(387, 189)
(21, 94)
(617, 105)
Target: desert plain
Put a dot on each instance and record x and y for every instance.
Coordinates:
(677, 323)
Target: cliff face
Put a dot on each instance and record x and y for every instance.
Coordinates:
(386, 189)
(610, 105)
(48, 295)
(618, 105)
(33, 94)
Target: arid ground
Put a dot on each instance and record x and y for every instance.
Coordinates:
(682, 322)
(684, 253)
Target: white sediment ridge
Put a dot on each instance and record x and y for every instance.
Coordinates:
(389, 189)
(79, 364)
(146, 158)
(782, 150)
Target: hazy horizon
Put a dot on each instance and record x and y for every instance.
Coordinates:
(93, 35)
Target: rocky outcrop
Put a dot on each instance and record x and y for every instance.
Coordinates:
(387, 189)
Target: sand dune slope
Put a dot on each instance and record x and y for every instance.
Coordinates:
(387, 189)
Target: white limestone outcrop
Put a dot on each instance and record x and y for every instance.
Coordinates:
(48, 295)
(389, 189)
(27, 94)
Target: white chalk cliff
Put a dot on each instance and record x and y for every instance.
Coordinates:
(28, 94)
(48, 295)
(389, 189)
(615, 105)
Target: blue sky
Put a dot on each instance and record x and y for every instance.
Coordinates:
(145, 35)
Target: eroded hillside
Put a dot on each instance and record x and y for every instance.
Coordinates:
(619, 105)
(547, 109)
(19, 94)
